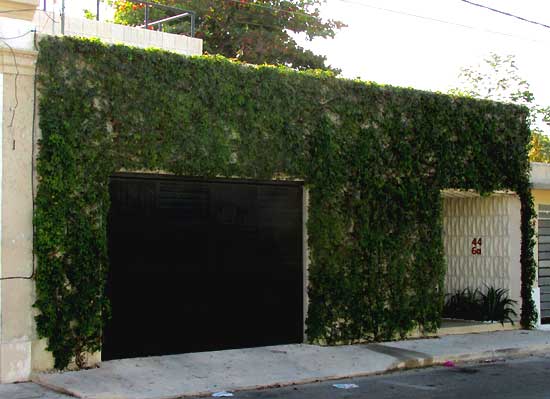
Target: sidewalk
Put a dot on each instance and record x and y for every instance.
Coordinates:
(195, 374)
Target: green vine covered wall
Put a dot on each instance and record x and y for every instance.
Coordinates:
(373, 157)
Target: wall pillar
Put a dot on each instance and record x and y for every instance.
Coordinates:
(17, 329)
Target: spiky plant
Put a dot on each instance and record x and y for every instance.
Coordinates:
(463, 304)
(496, 305)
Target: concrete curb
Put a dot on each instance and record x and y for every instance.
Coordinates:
(412, 363)
(398, 366)
(401, 366)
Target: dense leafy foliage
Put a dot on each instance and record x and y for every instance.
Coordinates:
(492, 304)
(257, 32)
(373, 157)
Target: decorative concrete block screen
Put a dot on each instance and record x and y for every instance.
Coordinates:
(482, 240)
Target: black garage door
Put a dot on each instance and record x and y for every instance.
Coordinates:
(202, 265)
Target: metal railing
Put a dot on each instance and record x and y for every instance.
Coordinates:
(179, 14)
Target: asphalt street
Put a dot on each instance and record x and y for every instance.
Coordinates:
(501, 379)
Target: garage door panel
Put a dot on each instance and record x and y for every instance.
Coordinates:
(143, 252)
(203, 266)
(234, 206)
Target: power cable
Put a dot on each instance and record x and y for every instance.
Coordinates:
(276, 9)
(14, 109)
(359, 3)
(268, 7)
(506, 13)
(16, 37)
(16, 105)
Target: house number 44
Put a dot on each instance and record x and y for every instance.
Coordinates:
(476, 246)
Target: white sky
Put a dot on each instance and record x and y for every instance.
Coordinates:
(403, 50)
(389, 47)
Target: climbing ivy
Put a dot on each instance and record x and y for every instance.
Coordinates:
(373, 157)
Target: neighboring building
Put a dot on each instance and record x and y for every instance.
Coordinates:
(540, 181)
(20, 350)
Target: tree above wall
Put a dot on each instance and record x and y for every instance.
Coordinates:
(498, 78)
(257, 32)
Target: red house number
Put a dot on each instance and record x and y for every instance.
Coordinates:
(476, 246)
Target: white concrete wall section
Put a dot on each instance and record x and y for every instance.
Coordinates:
(495, 221)
(540, 175)
(50, 24)
(17, 330)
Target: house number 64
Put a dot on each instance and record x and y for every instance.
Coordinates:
(476, 246)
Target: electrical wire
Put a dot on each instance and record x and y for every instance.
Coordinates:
(506, 13)
(47, 14)
(16, 37)
(276, 9)
(241, 22)
(33, 138)
(16, 105)
(404, 13)
(359, 3)
(14, 109)
(264, 6)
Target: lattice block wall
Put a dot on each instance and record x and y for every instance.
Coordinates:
(494, 222)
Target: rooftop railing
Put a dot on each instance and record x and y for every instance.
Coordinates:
(155, 16)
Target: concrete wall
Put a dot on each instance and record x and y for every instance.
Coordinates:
(17, 331)
(496, 220)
